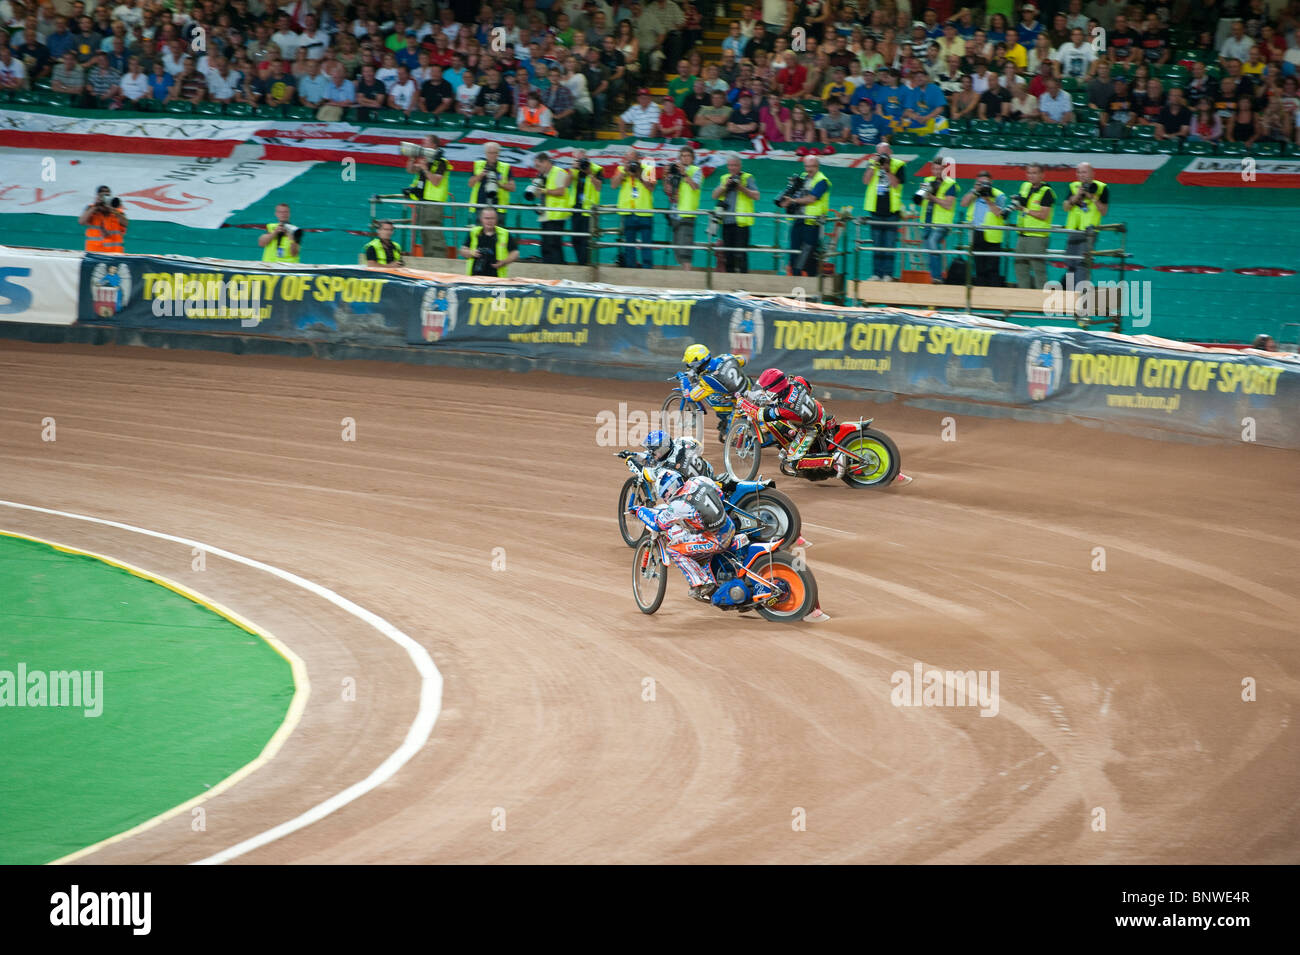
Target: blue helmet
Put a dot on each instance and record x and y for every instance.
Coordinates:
(658, 444)
(668, 483)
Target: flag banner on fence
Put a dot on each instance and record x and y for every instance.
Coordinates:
(200, 192)
(1238, 171)
(1122, 169)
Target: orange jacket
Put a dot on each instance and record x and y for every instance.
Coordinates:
(104, 233)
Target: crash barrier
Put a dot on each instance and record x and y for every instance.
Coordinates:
(1145, 382)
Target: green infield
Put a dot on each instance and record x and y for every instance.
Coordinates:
(120, 699)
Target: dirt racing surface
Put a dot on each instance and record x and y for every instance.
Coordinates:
(1119, 590)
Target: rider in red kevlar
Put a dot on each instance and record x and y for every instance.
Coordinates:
(795, 406)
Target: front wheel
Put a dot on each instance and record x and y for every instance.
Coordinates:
(778, 518)
(797, 582)
(649, 576)
(632, 495)
(681, 417)
(880, 462)
(741, 451)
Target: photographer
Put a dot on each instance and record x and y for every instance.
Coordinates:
(987, 205)
(282, 241)
(490, 183)
(584, 193)
(811, 192)
(682, 184)
(551, 189)
(884, 178)
(937, 197)
(1087, 205)
(490, 250)
(1034, 204)
(635, 182)
(735, 196)
(432, 183)
(105, 222)
(382, 250)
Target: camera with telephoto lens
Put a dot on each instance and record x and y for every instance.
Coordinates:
(793, 186)
(108, 201)
(674, 175)
(536, 189)
(1017, 203)
(634, 168)
(924, 193)
(983, 189)
(416, 151)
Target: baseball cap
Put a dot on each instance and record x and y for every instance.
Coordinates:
(1030, 7)
(643, 92)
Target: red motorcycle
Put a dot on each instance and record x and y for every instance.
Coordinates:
(869, 457)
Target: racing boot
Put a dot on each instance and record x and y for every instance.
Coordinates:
(800, 442)
(703, 592)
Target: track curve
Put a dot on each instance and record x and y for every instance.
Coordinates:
(1119, 689)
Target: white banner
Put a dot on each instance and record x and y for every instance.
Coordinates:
(39, 287)
(199, 192)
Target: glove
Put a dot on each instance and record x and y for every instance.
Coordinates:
(647, 517)
(771, 414)
(624, 454)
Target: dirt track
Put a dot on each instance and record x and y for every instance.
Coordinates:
(1118, 689)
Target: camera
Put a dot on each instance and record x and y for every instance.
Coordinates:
(634, 168)
(733, 183)
(108, 202)
(584, 166)
(536, 189)
(983, 189)
(1017, 203)
(291, 231)
(793, 186)
(923, 193)
(1090, 188)
(674, 175)
(416, 151)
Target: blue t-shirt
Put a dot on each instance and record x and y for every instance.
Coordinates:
(869, 131)
(160, 85)
(889, 102)
(922, 99)
(313, 89)
(863, 92)
(1029, 35)
(408, 59)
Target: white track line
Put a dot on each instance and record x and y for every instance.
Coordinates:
(416, 736)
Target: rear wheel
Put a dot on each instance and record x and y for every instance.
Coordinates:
(681, 417)
(741, 451)
(649, 576)
(880, 459)
(797, 582)
(777, 516)
(632, 495)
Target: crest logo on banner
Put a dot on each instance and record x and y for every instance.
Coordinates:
(437, 317)
(110, 288)
(1043, 367)
(745, 334)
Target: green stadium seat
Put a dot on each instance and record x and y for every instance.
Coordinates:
(1168, 147)
(301, 113)
(209, 109)
(1199, 148)
(422, 121)
(1267, 149)
(1143, 132)
(178, 106)
(1232, 149)
(1047, 131)
(907, 139)
(238, 109)
(41, 85)
(508, 124)
(482, 122)
(1291, 149)
(23, 97)
(1081, 130)
(814, 105)
(984, 126)
(1070, 84)
(1079, 99)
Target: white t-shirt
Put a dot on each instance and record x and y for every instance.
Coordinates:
(133, 87)
(14, 71)
(316, 43)
(774, 11)
(131, 16)
(1075, 60)
(386, 75)
(174, 63)
(466, 96)
(1236, 49)
(223, 87)
(287, 42)
(641, 120)
(402, 93)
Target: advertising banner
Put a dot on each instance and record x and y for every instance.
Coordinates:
(326, 304)
(39, 287)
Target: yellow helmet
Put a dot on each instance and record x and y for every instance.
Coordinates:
(696, 355)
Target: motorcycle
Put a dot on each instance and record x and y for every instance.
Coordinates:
(758, 510)
(871, 458)
(750, 576)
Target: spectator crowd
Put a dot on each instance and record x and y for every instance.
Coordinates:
(815, 71)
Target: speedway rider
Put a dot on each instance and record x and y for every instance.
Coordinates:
(723, 374)
(682, 455)
(697, 526)
(799, 410)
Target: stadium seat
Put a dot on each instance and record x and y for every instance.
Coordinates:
(1267, 149)
(984, 126)
(1047, 131)
(1291, 149)
(1070, 84)
(23, 97)
(209, 109)
(238, 109)
(1199, 148)
(1081, 131)
(178, 106)
(907, 139)
(1142, 132)
(149, 105)
(482, 122)
(1168, 147)
(508, 124)
(301, 113)
(1232, 149)
(1079, 99)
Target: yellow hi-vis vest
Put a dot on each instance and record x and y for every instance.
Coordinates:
(553, 180)
(938, 215)
(1077, 218)
(1034, 201)
(895, 192)
(743, 202)
(590, 189)
(503, 248)
(993, 216)
(822, 205)
(503, 174)
(688, 197)
(634, 196)
(381, 256)
(439, 193)
(278, 251)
